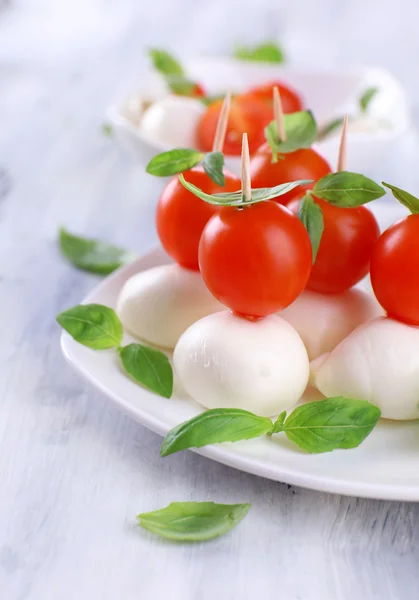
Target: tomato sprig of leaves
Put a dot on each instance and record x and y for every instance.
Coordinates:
(99, 328)
(301, 132)
(173, 72)
(316, 427)
(180, 160)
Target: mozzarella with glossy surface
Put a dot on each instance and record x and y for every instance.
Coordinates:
(225, 361)
(173, 121)
(159, 304)
(324, 320)
(378, 362)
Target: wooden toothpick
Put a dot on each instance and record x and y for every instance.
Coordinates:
(220, 132)
(245, 166)
(341, 166)
(279, 115)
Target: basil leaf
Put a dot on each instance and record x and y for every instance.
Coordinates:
(92, 255)
(107, 130)
(165, 63)
(366, 98)
(346, 189)
(213, 427)
(408, 200)
(213, 165)
(266, 52)
(173, 162)
(180, 85)
(278, 425)
(236, 198)
(92, 325)
(193, 521)
(311, 216)
(208, 100)
(325, 425)
(329, 127)
(301, 131)
(149, 367)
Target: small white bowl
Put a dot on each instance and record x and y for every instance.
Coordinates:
(329, 94)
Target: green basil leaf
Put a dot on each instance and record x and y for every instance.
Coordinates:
(325, 425)
(311, 216)
(213, 165)
(236, 198)
(408, 200)
(174, 161)
(193, 521)
(107, 130)
(278, 426)
(208, 100)
(346, 189)
(366, 98)
(93, 325)
(165, 63)
(266, 52)
(301, 131)
(92, 255)
(329, 127)
(150, 367)
(180, 85)
(213, 427)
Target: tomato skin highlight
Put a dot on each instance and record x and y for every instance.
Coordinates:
(347, 243)
(394, 270)
(256, 260)
(302, 164)
(247, 115)
(290, 100)
(181, 216)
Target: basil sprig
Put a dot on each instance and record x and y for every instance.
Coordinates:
(267, 52)
(237, 199)
(300, 129)
(213, 165)
(180, 160)
(172, 71)
(98, 327)
(320, 426)
(366, 98)
(92, 255)
(408, 200)
(346, 189)
(193, 521)
(311, 215)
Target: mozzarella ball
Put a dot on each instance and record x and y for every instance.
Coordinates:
(225, 361)
(173, 120)
(378, 362)
(324, 320)
(159, 304)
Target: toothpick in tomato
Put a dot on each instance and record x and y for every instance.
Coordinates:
(291, 101)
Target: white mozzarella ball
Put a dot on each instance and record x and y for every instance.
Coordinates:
(159, 304)
(173, 120)
(324, 320)
(224, 361)
(378, 362)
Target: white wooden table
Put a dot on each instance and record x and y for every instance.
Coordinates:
(74, 471)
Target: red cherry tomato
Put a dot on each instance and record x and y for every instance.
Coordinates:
(290, 100)
(394, 270)
(345, 249)
(256, 260)
(198, 91)
(181, 216)
(247, 115)
(302, 164)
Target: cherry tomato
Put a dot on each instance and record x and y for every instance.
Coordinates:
(394, 270)
(181, 216)
(256, 260)
(247, 115)
(302, 164)
(345, 249)
(290, 100)
(198, 91)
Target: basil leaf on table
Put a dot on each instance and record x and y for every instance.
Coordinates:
(213, 166)
(165, 63)
(193, 521)
(174, 161)
(408, 200)
(215, 426)
(300, 129)
(325, 425)
(92, 255)
(266, 52)
(311, 216)
(148, 366)
(346, 189)
(93, 325)
(366, 98)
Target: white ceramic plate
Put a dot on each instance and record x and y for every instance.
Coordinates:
(384, 466)
(328, 93)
